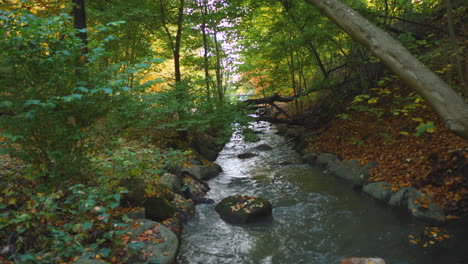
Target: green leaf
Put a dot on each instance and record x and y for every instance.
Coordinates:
(87, 225)
(428, 127)
(105, 252)
(32, 102)
(107, 90)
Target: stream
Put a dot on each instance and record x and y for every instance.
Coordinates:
(316, 217)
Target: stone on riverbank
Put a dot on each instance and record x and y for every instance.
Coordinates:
(325, 160)
(204, 172)
(158, 244)
(185, 208)
(171, 181)
(379, 190)
(136, 192)
(310, 158)
(193, 189)
(362, 261)
(418, 204)
(241, 209)
(157, 208)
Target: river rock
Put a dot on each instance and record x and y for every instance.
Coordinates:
(291, 158)
(207, 147)
(362, 261)
(263, 147)
(246, 155)
(350, 171)
(193, 189)
(241, 209)
(157, 208)
(136, 194)
(295, 132)
(174, 224)
(136, 213)
(379, 190)
(204, 172)
(171, 181)
(156, 243)
(185, 208)
(325, 160)
(418, 204)
(310, 157)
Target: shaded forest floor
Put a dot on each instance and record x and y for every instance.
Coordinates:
(396, 128)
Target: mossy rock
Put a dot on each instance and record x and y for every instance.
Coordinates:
(246, 155)
(136, 192)
(241, 209)
(158, 208)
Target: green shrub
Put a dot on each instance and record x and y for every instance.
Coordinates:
(51, 93)
(59, 226)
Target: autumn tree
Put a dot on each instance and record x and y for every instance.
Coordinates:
(450, 106)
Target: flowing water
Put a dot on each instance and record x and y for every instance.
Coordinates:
(316, 217)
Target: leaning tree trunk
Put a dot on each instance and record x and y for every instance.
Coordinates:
(450, 106)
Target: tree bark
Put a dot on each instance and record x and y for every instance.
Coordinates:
(219, 76)
(454, 44)
(79, 21)
(205, 48)
(450, 106)
(178, 38)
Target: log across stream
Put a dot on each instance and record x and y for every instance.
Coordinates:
(316, 218)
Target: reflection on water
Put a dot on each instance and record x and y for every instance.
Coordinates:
(316, 218)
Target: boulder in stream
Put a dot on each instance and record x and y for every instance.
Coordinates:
(241, 209)
(264, 147)
(418, 204)
(204, 172)
(246, 155)
(362, 261)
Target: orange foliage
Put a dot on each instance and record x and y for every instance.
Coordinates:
(431, 162)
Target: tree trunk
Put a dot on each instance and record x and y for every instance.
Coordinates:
(79, 21)
(450, 106)
(178, 38)
(454, 44)
(205, 49)
(219, 76)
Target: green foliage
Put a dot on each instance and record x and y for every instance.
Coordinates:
(52, 93)
(180, 108)
(57, 226)
(344, 116)
(250, 135)
(422, 128)
(142, 161)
